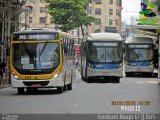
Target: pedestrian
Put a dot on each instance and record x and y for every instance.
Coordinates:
(76, 63)
(2, 70)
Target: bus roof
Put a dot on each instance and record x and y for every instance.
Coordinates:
(35, 31)
(104, 37)
(139, 39)
(43, 31)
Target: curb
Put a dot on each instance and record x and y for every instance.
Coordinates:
(4, 86)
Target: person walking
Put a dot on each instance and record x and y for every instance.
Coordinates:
(2, 71)
(76, 63)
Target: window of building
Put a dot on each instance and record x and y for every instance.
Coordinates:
(117, 12)
(110, 22)
(98, 1)
(98, 21)
(89, 1)
(110, 11)
(42, 20)
(119, 2)
(89, 10)
(98, 11)
(43, 10)
(30, 19)
(110, 1)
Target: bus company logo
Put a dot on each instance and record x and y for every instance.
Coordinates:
(147, 10)
(148, 14)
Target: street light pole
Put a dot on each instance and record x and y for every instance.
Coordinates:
(3, 37)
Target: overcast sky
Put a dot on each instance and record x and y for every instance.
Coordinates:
(130, 8)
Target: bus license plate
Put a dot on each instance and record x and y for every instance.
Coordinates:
(36, 85)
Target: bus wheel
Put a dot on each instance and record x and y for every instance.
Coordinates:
(117, 80)
(127, 75)
(64, 88)
(60, 89)
(20, 91)
(88, 80)
(69, 86)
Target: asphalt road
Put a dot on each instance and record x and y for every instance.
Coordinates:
(131, 95)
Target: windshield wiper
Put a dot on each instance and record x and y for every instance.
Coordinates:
(100, 58)
(142, 56)
(42, 50)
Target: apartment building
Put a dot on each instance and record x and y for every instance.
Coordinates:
(38, 16)
(107, 14)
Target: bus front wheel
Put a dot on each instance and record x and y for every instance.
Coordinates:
(20, 91)
(60, 89)
(117, 80)
(69, 86)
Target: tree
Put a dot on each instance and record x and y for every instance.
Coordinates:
(70, 14)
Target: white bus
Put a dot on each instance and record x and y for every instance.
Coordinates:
(102, 56)
(139, 56)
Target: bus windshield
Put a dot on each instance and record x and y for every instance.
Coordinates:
(105, 54)
(32, 56)
(139, 54)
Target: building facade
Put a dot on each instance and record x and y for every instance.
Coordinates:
(107, 14)
(38, 16)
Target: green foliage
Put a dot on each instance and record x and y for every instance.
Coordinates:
(69, 14)
(158, 30)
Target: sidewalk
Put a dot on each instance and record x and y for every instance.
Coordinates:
(4, 86)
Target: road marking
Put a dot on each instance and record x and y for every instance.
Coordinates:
(153, 82)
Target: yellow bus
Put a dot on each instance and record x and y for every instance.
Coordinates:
(42, 59)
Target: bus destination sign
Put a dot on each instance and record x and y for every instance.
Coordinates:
(53, 36)
(104, 44)
(140, 46)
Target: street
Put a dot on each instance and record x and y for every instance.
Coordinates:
(87, 98)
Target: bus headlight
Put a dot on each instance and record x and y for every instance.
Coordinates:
(15, 76)
(90, 65)
(120, 65)
(56, 75)
(150, 63)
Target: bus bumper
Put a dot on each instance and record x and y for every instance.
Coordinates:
(105, 72)
(147, 69)
(17, 83)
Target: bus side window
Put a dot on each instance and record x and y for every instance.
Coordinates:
(65, 49)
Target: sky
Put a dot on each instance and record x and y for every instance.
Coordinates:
(130, 8)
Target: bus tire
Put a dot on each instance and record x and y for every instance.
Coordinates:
(127, 75)
(69, 86)
(60, 89)
(117, 80)
(20, 91)
(65, 88)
